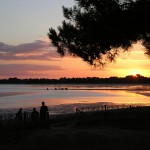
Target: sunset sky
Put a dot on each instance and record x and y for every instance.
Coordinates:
(26, 52)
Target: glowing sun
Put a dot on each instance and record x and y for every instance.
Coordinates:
(135, 73)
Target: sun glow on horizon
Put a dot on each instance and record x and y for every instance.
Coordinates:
(135, 72)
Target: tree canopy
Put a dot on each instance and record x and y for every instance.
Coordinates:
(94, 29)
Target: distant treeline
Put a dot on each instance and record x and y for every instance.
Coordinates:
(138, 79)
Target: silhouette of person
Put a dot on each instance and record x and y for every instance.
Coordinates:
(24, 116)
(44, 116)
(35, 115)
(19, 116)
(43, 112)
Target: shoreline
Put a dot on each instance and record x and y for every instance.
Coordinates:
(64, 101)
(70, 108)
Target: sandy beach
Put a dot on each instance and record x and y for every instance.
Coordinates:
(69, 137)
(124, 132)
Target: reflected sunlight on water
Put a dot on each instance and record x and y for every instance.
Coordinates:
(28, 96)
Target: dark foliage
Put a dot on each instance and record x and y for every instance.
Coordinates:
(89, 80)
(95, 30)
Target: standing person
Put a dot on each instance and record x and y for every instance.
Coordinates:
(35, 118)
(44, 115)
(19, 117)
(35, 115)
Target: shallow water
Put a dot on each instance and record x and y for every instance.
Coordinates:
(60, 100)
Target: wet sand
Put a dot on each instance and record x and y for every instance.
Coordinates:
(3, 94)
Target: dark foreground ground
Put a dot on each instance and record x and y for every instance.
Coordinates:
(112, 133)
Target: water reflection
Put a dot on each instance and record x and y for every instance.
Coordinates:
(28, 96)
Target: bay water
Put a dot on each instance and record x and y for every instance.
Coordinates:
(64, 98)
